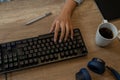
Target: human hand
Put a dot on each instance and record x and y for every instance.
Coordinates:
(62, 23)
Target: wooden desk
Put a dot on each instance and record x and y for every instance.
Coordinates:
(87, 17)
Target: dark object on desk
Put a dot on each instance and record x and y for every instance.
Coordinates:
(96, 65)
(115, 73)
(110, 9)
(83, 74)
(38, 51)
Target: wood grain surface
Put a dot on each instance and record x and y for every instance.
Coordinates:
(86, 17)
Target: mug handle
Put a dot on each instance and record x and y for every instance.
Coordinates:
(118, 35)
(105, 21)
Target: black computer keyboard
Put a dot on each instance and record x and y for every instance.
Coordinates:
(38, 51)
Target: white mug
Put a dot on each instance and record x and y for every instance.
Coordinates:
(119, 34)
(102, 40)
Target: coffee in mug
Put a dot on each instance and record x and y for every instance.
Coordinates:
(106, 33)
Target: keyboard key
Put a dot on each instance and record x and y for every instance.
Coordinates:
(0, 62)
(42, 59)
(35, 60)
(29, 55)
(10, 59)
(25, 49)
(6, 66)
(30, 61)
(21, 63)
(3, 45)
(26, 62)
(39, 54)
(62, 55)
(43, 41)
(15, 59)
(11, 65)
(15, 64)
(39, 41)
(38, 46)
(51, 57)
(46, 57)
(1, 69)
(34, 55)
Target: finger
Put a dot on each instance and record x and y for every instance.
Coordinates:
(62, 32)
(56, 31)
(71, 31)
(52, 27)
(67, 32)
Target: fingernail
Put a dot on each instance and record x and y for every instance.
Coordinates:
(55, 40)
(60, 41)
(72, 37)
(65, 40)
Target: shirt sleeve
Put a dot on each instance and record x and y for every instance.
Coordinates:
(78, 1)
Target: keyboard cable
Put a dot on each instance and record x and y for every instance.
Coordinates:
(6, 78)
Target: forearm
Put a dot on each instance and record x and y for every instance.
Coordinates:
(68, 7)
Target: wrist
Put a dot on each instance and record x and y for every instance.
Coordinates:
(66, 13)
(68, 7)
